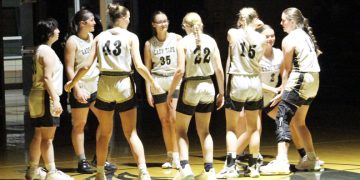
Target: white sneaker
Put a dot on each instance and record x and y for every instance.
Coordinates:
(185, 174)
(228, 172)
(58, 175)
(308, 164)
(175, 164)
(210, 175)
(320, 162)
(144, 176)
(253, 170)
(38, 173)
(100, 176)
(166, 165)
(276, 167)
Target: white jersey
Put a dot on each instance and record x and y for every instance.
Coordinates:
(89, 80)
(114, 51)
(246, 52)
(82, 53)
(199, 62)
(305, 58)
(270, 68)
(38, 71)
(164, 55)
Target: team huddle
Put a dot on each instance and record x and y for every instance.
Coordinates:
(177, 72)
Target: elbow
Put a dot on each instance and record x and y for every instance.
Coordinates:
(179, 72)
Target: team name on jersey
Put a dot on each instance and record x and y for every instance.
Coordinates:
(164, 50)
(270, 68)
(85, 51)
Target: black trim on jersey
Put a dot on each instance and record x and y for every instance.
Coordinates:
(47, 120)
(76, 104)
(164, 74)
(116, 73)
(296, 62)
(197, 78)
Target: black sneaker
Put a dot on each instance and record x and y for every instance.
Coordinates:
(108, 166)
(84, 167)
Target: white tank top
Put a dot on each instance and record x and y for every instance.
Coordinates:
(38, 71)
(246, 54)
(114, 51)
(305, 58)
(82, 53)
(199, 64)
(164, 55)
(270, 68)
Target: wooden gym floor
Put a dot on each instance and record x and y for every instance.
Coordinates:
(336, 142)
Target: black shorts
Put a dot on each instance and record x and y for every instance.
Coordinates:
(161, 98)
(76, 104)
(119, 107)
(47, 120)
(238, 106)
(293, 97)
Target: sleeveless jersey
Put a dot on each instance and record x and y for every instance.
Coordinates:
(38, 71)
(114, 51)
(164, 55)
(199, 61)
(246, 53)
(305, 58)
(270, 69)
(82, 53)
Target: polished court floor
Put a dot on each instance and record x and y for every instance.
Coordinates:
(337, 142)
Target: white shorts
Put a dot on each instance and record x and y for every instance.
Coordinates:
(268, 96)
(116, 89)
(89, 85)
(196, 95)
(244, 91)
(300, 87)
(165, 83)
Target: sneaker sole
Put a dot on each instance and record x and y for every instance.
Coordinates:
(274, 173)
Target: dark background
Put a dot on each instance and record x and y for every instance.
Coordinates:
(335, 24)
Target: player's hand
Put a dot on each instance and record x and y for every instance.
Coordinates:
(219, 101)
(68, 86)
(150, 100)
(81, 95)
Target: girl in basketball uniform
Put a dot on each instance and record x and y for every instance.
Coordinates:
(161, 59)
(271, 65)
(116, 49)
(77, 49)
(198, 59)
(300, 83)
(44, 102)
(243, 91)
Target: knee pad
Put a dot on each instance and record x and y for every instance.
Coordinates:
(285, 113)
